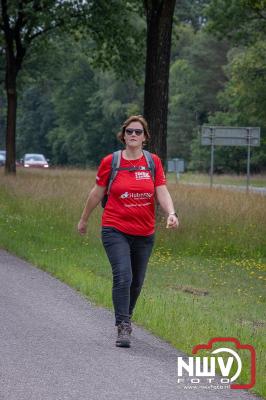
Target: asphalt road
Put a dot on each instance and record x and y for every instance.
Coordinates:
(55, 345)
(240, 188)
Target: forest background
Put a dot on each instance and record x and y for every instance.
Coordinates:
(71, 103)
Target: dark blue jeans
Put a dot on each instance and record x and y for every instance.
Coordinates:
(128, 256)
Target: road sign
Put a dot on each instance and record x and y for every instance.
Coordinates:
(176, 165)
(230, 136)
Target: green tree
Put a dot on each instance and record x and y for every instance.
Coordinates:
(245, 92)
(89, 108)
(243, 100)
(36, 117)
(2, 118)
(192, 13)
(159, 17)
(23, 21)
(238, 20)
(196, 77)
(184, 106)
(79, 110)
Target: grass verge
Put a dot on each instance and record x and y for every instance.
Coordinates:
(205, 280)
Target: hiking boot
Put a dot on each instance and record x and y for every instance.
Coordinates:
(130, 328)
(123, 337)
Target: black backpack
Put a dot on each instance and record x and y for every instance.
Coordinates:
(116, 158)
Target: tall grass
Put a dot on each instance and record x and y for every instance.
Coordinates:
(207, 279)
(219, 223)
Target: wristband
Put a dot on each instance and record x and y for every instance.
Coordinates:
(173, 213)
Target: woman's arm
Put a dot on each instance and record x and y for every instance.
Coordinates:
(94, 198)
(165, 201)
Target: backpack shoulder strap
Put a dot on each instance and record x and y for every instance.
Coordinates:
(116, 158)
(150, 162)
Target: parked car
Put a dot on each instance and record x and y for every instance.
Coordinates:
(3, 153)
(32, 160)
(2, 160)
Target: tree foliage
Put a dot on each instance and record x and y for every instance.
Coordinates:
(24, 21)
(238, 20)
(71, 111)
(219, 81)
(75, 108)
(191, 12)
(196, 76)
(159, 17)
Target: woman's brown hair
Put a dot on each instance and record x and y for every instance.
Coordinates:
(133, 118)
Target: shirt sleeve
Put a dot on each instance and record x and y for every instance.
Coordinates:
(104, 171)
(160, 178)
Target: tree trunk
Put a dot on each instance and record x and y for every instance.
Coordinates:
(14, 56)
(11, 91)
(159, 14)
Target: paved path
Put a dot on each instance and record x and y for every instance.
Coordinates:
(55, 345)
(240, 188)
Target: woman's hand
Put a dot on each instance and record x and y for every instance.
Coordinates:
(166, 202)
(172, 221)
(94, 198)
(82, 227)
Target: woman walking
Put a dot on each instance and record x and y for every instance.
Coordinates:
(128, 220)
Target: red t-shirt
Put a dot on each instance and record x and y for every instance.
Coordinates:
(130, 205)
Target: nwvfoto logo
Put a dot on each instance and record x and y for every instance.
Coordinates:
(198, 367)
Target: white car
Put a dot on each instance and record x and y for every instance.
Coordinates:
(32, 160)
(2, 159)
(3, 153)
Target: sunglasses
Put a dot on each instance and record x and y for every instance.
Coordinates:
(130, 131)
